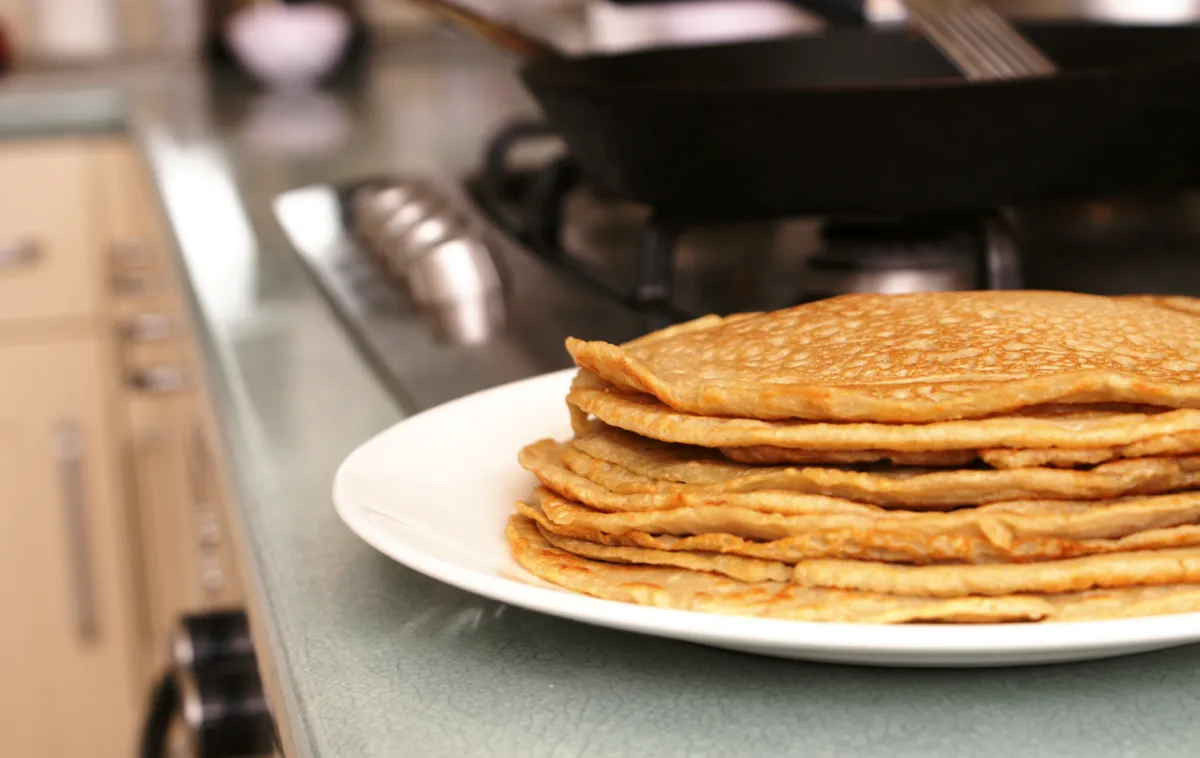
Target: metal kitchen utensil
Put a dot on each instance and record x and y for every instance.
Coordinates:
(491, 31)
(789, 127)
(729, 131)
(978, 41)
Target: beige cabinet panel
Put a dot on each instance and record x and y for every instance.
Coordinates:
(178, 496)
(68, 613)
(178, 488)
(158, 487)
(51, 261)
(219, 579)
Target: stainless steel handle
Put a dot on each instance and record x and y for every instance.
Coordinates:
(198, 470)
(159, 380)
(131, 253)
(18, 254)
(142, 443)
(132, 267)
(199, 473)
(148, 327)
(69, 454)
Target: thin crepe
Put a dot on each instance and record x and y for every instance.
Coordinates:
(869, 546)
(915, 358)
(1082, 430)
(1018, 531)
(627, 464)
(682, 589)
(1138, 568)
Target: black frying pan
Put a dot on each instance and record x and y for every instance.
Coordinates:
(861, 121)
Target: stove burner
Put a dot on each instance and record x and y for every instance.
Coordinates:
(912, 255)
(530, 203)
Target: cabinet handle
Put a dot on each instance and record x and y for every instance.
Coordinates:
(159, 380)
(68, 453)
(148, 327)
(198, 470)
(18, 254)
(142, 444)
(131, 253)
(131, 269)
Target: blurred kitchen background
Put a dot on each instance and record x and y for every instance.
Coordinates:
(192, 187)
(57, 30)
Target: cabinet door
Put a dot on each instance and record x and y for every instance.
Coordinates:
(66, 624)
(51, 259)
(158, 488)
(218, 573)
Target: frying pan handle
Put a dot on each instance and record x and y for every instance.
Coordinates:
(847, 13)
(545, 209)
(495, 160)
(850, 13)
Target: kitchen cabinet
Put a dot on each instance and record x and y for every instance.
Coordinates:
(179, 509)
(111, 520)
(69, 684)
(172, 437)
(49, 229)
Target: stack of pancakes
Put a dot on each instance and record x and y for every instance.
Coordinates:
(956, 457)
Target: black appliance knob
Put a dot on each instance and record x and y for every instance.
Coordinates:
(226, 713)
(209, 639)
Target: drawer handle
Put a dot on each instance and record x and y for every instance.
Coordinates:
(18, 254)
(130, 253)
(200, 473)
(68, 453)
(148, 327)
(159, 380)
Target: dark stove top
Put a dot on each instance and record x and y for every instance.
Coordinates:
(452, 286)
(532, 192)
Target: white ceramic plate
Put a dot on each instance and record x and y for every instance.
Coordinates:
(434, 493)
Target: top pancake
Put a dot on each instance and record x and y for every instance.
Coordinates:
(914, 358)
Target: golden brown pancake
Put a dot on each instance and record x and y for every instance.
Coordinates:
(543, 460)
(950, 457)
(627, 464)
(1085, 429)
(870, 545)
(915, 358)
(1181, 444)
(1133, 569)
(770, 455)
(733, 566)
(924, 536)
(684, 589)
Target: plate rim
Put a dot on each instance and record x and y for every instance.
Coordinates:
(995, 640)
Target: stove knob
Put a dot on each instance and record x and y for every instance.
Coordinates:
(392, 230)
(374, 207)
(457, 269)
(374, 204)
(211, 639)
(226, 713)
(421, 237)
(220, 693)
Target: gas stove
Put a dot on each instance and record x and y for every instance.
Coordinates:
(455, 284)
